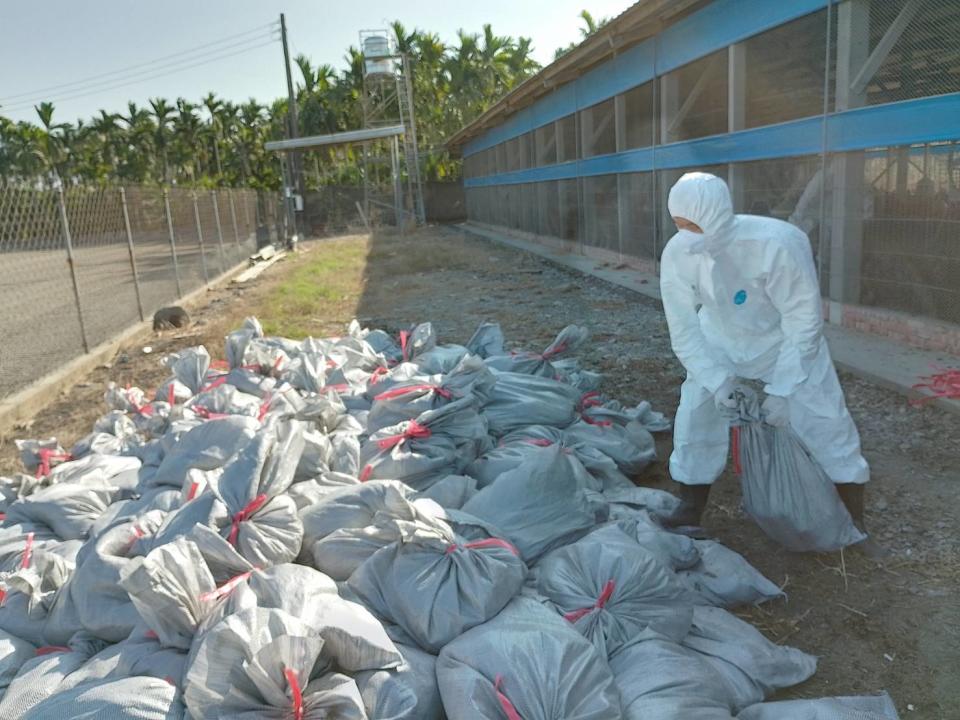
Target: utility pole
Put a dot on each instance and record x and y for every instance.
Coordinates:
(293, 125)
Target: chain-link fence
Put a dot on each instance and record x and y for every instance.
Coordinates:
(81, 264)
(883, 217)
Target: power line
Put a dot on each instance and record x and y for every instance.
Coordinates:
(148, 76)
(182, 56)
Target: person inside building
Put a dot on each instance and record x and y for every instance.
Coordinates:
(742, 300)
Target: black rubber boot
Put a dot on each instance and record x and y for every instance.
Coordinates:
(852, 496)
(694, 501)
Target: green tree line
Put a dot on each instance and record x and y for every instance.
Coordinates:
(214, 142)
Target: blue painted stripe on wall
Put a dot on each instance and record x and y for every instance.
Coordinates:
(722, 23)
(714, 27)
(626, 70)
(934, 119)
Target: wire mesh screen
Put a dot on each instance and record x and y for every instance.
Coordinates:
(910, 256)
(922, 60)
(102, 260)
(38, 323)
(79, 266)
(152, 249)
(601, 224)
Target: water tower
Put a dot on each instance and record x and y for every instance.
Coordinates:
(388, 100)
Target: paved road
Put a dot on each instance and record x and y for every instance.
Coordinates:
(39, 328)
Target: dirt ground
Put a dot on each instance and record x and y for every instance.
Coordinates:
(894, 626)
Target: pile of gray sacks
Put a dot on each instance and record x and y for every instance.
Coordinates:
(371, 527)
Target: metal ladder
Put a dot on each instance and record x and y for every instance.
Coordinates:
(410, 151)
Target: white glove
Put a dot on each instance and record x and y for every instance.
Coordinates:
(776, 411)
(726, 402)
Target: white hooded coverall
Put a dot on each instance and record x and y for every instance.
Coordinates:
(742, 300)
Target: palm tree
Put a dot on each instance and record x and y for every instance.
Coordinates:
(590, 26)
(50, 145)
(169, 142)
(214, 106)
(187, 130)
(162, 114)
(136, 149)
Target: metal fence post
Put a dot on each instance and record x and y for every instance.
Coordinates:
(173, 242)
(216, 215)
(233, 218)
(203, 255)
(133, 259)
(73, 269)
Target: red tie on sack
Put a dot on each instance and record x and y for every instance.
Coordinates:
(51, 649)
(27, 551)
(404, 338)
(508, 709)
(46, 456)
(591, 400)
(481, 544)
(295, 692)
(226, 588)
(598, 605)
(414, 431)
(735, 449)
(251, 507)
(562, 347)
(401, 391)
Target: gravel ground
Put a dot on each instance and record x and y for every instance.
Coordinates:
(893, 626)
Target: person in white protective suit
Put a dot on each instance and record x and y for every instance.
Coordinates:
(742, 300)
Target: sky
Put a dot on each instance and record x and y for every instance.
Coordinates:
(85, 55)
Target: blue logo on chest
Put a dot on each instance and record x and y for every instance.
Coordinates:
(740, 298)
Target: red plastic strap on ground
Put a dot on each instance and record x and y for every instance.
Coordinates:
(414, 431)
(377, 374)
(171, 396)
(735, 449)
(404, 338)
(27, 551)
(251, 507)
(487, 543)
(295, 692)
(508, 709)
(194, 486)
(226, 588)
(401, 391)
(943, 384)
(367, 472)
(601, 602)
(51, 649)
